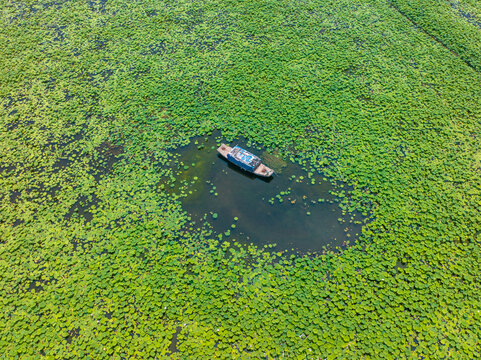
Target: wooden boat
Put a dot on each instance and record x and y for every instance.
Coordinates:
(245, 160)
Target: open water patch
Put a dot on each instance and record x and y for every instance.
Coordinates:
(293, 210)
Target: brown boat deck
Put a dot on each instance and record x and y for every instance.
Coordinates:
(261, 170)
(224, 150)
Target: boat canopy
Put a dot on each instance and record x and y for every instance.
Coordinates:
(250, 161)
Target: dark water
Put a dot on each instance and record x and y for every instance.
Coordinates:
(288, 209)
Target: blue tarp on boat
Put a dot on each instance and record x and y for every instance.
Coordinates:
(244, 159)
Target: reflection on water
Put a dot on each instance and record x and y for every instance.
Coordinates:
(287, 209)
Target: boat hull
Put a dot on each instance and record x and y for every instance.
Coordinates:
(261, 170)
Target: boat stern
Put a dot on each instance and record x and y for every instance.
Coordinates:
(263, 171)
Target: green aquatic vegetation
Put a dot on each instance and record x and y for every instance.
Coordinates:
(453, 23)
(99, 258)
(274, 160)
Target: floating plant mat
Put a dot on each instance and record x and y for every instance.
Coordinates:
(97, 261)
(292, 210)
